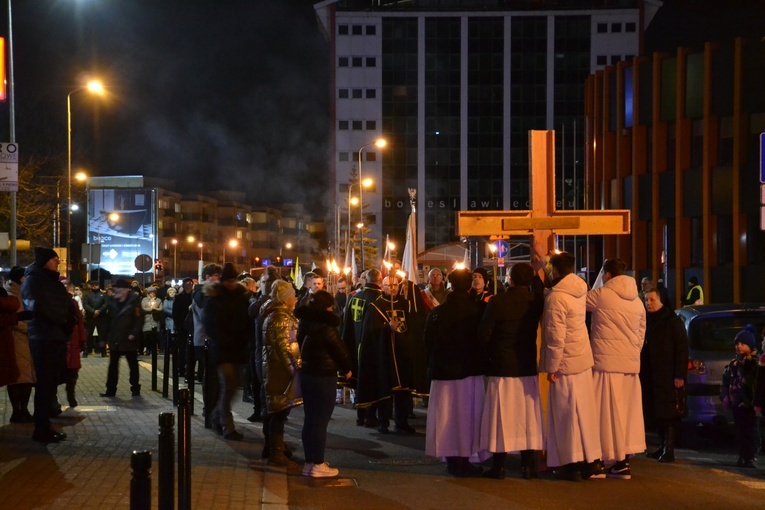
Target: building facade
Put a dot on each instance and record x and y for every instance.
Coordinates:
(454, 87)
(675, 137)
(185, 231)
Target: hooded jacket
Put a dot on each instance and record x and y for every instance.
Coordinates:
(618, 325)
(566, 346)
(323, 353)
(226, 322)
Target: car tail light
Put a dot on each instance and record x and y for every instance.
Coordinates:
(696, 366)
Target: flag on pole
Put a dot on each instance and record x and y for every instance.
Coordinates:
(409, 258)
(298, 278)
(354, 268)
(386, 257)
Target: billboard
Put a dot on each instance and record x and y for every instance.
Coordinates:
(124, 222)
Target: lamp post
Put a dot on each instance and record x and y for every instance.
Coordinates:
(494, 263)
(97, 88)
(379, 143)
(175, 258)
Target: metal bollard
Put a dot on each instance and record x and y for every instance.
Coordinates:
(166, 461)
(184, 452)
(175, 372)
(154, 366)
(140, 483)
(207, 398)
(166, 363)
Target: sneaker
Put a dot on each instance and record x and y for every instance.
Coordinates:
(594, 469)
(322, 470)
(619, 470)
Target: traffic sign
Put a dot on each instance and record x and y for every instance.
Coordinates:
(502, 248)
(9, 167)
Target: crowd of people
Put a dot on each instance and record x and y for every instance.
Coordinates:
(463, 343)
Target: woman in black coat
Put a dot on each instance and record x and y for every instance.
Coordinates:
(324, 355)
(667, 344)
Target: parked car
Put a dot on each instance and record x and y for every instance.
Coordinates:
(711, 330)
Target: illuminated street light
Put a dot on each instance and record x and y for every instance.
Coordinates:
(379, 143)
(175, 257)
(94, 87)
(233, 243)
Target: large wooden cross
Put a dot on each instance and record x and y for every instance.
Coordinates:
(543, 221)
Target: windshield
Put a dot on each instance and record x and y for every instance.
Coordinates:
(717, 333)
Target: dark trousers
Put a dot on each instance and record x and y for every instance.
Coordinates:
(228, 379)
(398, 406)
(318, 405)
(113, 374)
(49, 359)
(91, 341)
(747, 432)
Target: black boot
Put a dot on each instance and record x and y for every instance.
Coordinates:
(662, 443)
(529, 464)
(136, 390)
(266, 438)
(277, 456)
(669, 448)
(497, 470)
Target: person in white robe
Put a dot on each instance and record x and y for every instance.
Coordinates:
(573, 429)
(617, 332)
(456, 369)
(512, 412)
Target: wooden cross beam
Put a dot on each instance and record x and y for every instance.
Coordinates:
(543, 220)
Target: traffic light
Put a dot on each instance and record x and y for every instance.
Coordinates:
(256, 261)
(278, 260)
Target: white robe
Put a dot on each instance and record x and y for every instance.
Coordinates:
(512, 415)
(454, 419)
(573, 428)
(620, 404)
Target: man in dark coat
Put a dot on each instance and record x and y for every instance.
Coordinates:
(181, 306)
(385, 370)
(125, 324)
(229, 328)
(95, 303)
(351, 333)
(54, 320)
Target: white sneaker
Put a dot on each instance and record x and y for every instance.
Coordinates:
(308, 468)
(339, 397)
(322, 470)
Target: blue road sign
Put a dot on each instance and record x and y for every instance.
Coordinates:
(502, 248)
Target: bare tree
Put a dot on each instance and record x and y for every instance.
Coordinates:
(35, 204)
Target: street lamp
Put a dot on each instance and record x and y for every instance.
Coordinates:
(379, 143)
(233, 243)
(94, 87)
(175, 258)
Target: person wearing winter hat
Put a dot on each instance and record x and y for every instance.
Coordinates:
(281, 362)
(228, 327)
(125, 324)
(695, 295)
(482, 285)
(48, 331)
(737, 394)
(152, 310)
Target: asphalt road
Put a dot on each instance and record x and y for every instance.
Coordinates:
(391, 472)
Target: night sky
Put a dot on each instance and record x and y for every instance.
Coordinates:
(214, 94)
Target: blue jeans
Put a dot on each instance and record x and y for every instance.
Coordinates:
(318, 405)
(228, 377)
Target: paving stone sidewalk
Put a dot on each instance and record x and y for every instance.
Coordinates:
(91, 468)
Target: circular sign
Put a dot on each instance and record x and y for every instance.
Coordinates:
(143, 263)
(502, 248)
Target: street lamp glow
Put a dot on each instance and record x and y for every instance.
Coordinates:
(95, 86)
(354, 200)
(381, 142)
(367, 182)
(75, 207)
(391, 245)
(360, 225)
(114, 217)
(81, 176)
(191, 239)
(288, 246)
(233, 243)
